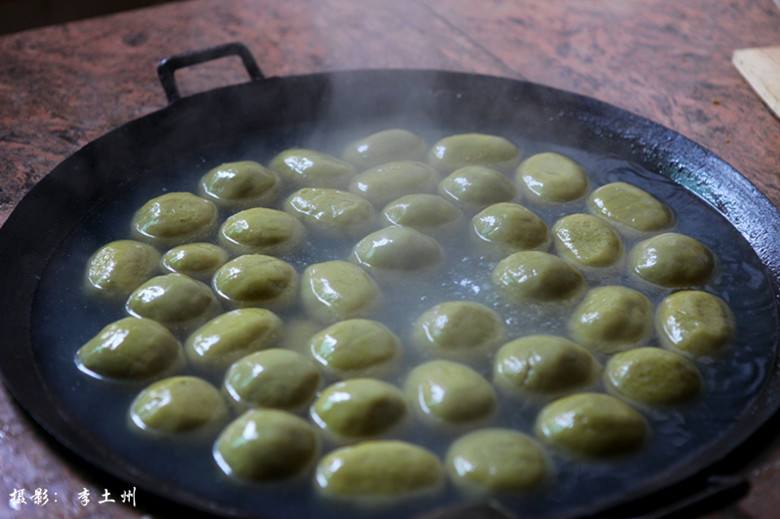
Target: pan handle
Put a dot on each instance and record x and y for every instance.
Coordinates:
(168, 66)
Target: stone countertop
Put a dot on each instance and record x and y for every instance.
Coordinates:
(65, 85)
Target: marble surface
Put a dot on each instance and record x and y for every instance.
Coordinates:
(63, 86)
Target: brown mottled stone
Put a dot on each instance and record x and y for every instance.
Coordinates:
(65, 85)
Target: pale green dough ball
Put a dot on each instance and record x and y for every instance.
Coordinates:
(459, 329)
(552, 177)
(359, 408)
(356, 348)
(612, 318)
(241, 185)
(630, 206)
(672, 260)
(591, 425)
(332, 212)
(496, 461)
(257, 280)
(383, 147)
(266, 445)
(275, 378)
(261, 230)
(398, 249)
(309, 168)
(427, 213)
(230, 336)
(695, 323)
(544, 365)
(379, 469)
(175, 218)
(175, 300)
(130, 349)
(475, 187)
(449, 393)
(197, 260)
(652, 376)
(179, 405)
(508, 228)
(473, 149)
(117, 268)
(337, 290)
(535, 276)
(587, 240)
(386, 182)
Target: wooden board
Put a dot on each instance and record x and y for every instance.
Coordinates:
(761, 69)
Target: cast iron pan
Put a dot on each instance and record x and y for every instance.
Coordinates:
(108, 178)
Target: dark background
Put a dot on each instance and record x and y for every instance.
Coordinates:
(18, 15)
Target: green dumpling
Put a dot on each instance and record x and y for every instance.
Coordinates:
(459, 329)
(359, 408)
(356, 348)
(261, 230)
(275, 378)
(449, 393)
(175, 300)
(508, 227)
(497, 461)
(230, 336)
(695, 323)
(265, 445)
(591, 425)
(424, 212)
(178, 405)
(386, 182)
(119, 267)
(552, 177)
(652, 376)
(175, 218)
(241, 185)
(397, 250)
(257, 280)
(611, 319)
(383, 147)
(587, 241)
(197, 260)
(388, 469)
(544, 365)
(337, 290)
(672, 260)
(535, 276)
(130, 349)
(309, 168)
(633, 207)
(475, 187)
(473, 149)
(331, 212)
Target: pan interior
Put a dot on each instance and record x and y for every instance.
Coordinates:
(259, 120)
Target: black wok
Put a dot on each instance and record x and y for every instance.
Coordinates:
(108, 177)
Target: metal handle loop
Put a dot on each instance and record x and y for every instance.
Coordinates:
(168, 66)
